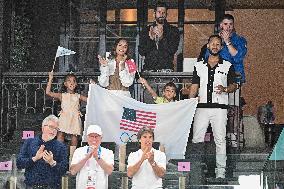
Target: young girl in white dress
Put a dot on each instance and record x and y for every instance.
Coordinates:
(70, 115)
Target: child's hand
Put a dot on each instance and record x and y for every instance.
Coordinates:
(50, 75)
(102, 61)
(92, 81)
(142, 80)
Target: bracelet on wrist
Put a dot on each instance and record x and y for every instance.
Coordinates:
(228, 43)
(34, 159)
(53, 163)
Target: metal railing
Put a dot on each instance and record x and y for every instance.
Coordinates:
(23, 95)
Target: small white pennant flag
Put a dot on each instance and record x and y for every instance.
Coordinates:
(61, 51)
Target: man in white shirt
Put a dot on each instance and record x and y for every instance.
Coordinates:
(92, 163)
(146, 166)
(213, 79)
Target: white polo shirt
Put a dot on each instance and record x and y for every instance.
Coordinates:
(102, 177)
(145, 177)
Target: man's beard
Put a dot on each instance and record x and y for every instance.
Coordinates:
(50, 137)
(160, 20)
(214, 54)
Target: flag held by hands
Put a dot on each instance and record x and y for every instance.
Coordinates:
(131, 65)
(134, 120)
(61, 51)
(171, 121)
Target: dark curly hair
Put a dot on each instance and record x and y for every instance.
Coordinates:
(170, 84)
(63, 87)
(113, 52)
(160, 4)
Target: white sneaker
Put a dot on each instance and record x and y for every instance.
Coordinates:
(220, 173)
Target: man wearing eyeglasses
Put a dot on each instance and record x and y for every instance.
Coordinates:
(44, 158)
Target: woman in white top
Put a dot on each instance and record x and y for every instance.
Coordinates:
(115, 73)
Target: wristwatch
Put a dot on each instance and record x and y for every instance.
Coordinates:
(228, 43)
(225, 89)
(154, 164)
(53, 163)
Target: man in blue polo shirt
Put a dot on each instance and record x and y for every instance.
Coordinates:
(234, 46)
(44, 158)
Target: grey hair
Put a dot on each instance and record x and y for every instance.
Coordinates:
(50, 118)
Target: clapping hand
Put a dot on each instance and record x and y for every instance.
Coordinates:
(95, 152)
(90, 152)
(152, 33)
(156, 32)
(150, 157)
(39, 153)
(48, 157)
(148, 154)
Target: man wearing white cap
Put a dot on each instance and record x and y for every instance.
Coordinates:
(92, 163)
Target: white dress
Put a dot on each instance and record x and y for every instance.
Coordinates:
(70, 115)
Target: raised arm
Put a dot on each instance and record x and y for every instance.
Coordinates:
(107, 167)
(77, 166)
(48, 88)
(25, 159)
(157, 168)
(83, 98)
(148, 87)
(103, 79)
(133, 169)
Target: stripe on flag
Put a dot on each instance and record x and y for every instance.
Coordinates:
(134, 120)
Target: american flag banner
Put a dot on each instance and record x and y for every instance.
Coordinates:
(134, 120)
(121, 117)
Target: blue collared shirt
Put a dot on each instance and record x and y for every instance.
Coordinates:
(40, 172)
